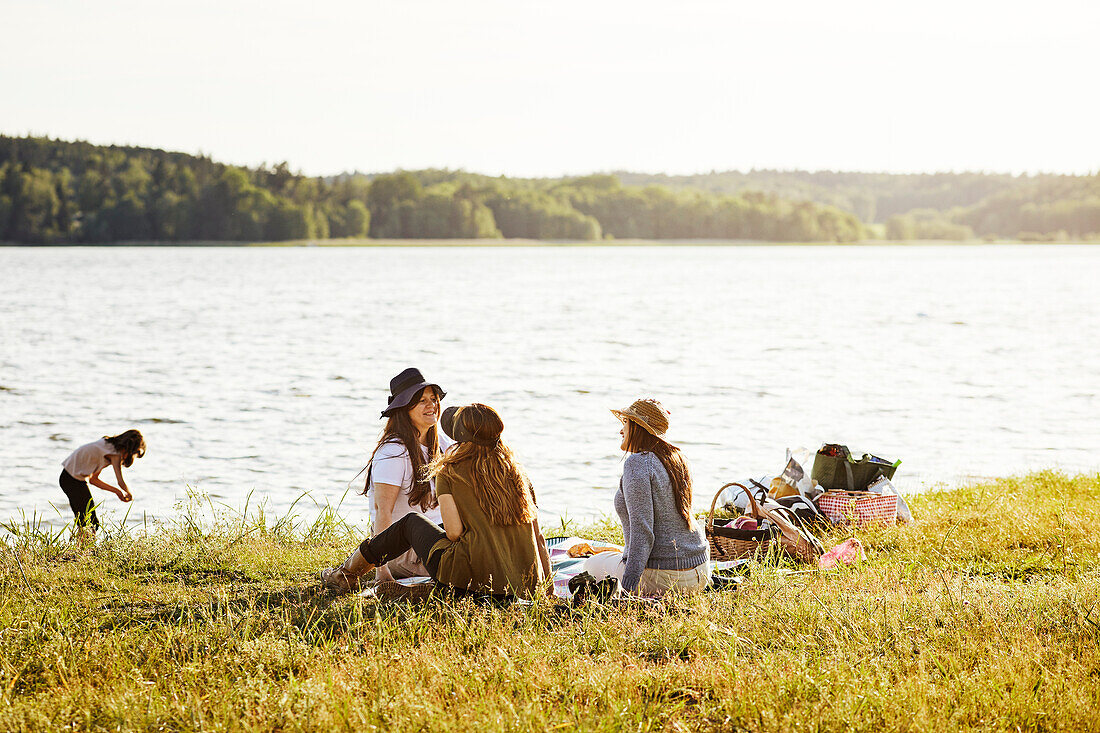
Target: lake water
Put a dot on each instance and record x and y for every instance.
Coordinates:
(264, 370)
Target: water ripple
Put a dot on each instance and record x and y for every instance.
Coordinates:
(229, 340)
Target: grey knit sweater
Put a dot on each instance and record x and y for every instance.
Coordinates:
(656, 535)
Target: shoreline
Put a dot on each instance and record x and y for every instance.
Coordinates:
(367, 243)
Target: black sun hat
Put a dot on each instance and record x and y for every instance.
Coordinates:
(404, 386)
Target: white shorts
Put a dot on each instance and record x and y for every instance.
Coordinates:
(653, 582)
(407, 566)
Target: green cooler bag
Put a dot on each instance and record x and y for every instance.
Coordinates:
(834, 468)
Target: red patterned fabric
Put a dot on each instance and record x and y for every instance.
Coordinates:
(859, 508)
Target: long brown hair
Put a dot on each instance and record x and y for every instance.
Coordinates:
(130, 445)
(640, 440)
(399, 428)
(499, 481)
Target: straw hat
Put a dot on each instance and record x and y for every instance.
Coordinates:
(649, 414)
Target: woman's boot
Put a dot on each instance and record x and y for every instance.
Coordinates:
(345, 578)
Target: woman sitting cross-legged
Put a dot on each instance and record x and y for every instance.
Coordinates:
(490, 542)
(665, 549)
(397, 482)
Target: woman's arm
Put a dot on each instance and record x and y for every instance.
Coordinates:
(540, 542)
(94, 480)
(638, 493)
(385, 499)
(452, 520)
(116, 462)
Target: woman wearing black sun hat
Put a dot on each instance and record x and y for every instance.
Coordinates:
(397, 483)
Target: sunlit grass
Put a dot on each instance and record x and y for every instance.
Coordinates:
(983, 615)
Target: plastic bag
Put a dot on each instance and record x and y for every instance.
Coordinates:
(883, 485)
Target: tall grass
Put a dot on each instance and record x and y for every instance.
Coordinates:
(983, 615)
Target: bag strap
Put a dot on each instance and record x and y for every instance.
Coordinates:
(807, 545)
(848, 470)
(755, 509)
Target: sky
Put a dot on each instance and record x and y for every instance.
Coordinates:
(526, 88)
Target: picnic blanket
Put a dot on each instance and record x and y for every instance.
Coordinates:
(562, 567)
(565, 567)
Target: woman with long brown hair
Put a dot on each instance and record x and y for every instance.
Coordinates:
(665, 549)
(490, 542)
(397, 483)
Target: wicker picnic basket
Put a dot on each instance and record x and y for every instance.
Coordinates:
(727, 543)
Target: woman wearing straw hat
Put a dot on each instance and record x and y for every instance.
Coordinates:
(665, 549)
(490, 542)
(396, 480)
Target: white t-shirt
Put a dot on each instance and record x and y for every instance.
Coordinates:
(391, 465)
(89, 458)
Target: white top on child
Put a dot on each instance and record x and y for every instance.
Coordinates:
(89, 458)
(391, 465)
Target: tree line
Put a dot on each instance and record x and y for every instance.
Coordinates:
(54, 192)
(924, 205)
(57, 192)
(1051, 208)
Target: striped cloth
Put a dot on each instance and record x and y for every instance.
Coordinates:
(562, 566)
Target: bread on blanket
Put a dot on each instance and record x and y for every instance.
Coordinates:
(583, 549)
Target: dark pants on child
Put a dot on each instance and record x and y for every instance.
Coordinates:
(412, 530)
(80, 499)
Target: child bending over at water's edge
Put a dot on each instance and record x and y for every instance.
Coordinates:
(83, 465)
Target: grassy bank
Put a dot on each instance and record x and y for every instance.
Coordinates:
(984, 615)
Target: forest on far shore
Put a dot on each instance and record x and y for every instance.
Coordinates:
(58, 192)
